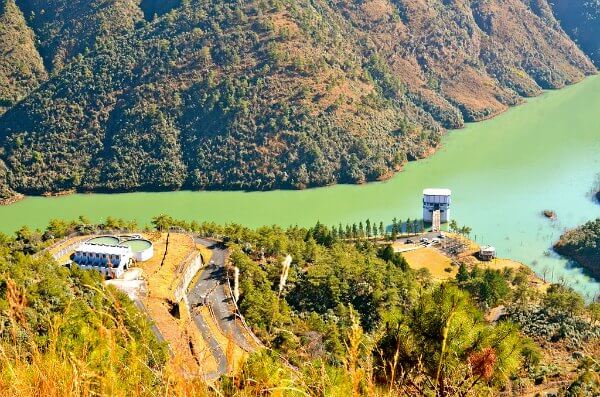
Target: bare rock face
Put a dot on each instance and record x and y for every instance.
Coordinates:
(251, 95)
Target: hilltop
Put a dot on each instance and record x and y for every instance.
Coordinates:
(261, 95)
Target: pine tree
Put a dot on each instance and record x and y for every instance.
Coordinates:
(381, 229)
(368, 228)
(463, 274)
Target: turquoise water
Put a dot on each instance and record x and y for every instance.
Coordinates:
(503, 172)
(137, 245)
(106, 240)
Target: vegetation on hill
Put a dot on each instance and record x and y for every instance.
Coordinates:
(65, 28)
(347, 319)
(21, 68)
(258, 95)
(582, 244)
(63, 333)
(581, 20)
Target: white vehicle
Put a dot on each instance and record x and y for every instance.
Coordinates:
(425, 240)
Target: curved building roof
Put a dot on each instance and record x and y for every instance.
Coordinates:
(437, 192)
(104, 249)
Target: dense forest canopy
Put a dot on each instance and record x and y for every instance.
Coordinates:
(260, 94)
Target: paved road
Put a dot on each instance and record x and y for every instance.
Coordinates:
(210, 290)
(213, 345)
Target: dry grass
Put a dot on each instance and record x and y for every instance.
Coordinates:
(432, 260)
(235, 354)
(205, 253)
(403, 247)
(162, 273)
(67, 256)
(183, 337)
(161, 270)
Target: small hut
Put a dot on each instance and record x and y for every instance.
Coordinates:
(487, 253)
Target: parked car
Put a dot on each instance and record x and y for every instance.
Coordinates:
(409, 241)
(425, 240)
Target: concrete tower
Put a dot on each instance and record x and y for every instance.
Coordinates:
(434, 200)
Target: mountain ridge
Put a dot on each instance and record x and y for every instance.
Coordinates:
(216, 95)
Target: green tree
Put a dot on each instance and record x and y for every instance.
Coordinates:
(463, 274)
(563, 299)
(161, 222)
(453, 225)
(448, 346)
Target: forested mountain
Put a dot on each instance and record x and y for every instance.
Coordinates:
(21, 68)
(264, 94)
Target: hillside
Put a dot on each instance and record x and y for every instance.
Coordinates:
(342, 319)
(581, 20)
(582, 244)
(261, 95)
(21, 68)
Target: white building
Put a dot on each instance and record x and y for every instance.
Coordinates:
(434, 200)
(487, 253)
(110, 260)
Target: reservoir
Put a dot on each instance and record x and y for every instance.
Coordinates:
(503, 173)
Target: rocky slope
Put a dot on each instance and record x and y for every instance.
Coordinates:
(259, 95)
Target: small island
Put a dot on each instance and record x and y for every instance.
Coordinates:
(549, 214)
(582, 244)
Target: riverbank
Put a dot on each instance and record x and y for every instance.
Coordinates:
(502, 178)
(425, 154)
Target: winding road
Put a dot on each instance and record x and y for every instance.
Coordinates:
(210, 290)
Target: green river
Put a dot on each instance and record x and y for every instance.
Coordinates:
(503, 172)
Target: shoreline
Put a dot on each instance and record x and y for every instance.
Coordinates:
(389, 174)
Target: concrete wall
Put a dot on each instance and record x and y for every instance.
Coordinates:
(190, 270)
(144, 255)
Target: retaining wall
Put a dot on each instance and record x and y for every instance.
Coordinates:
(189, 270)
